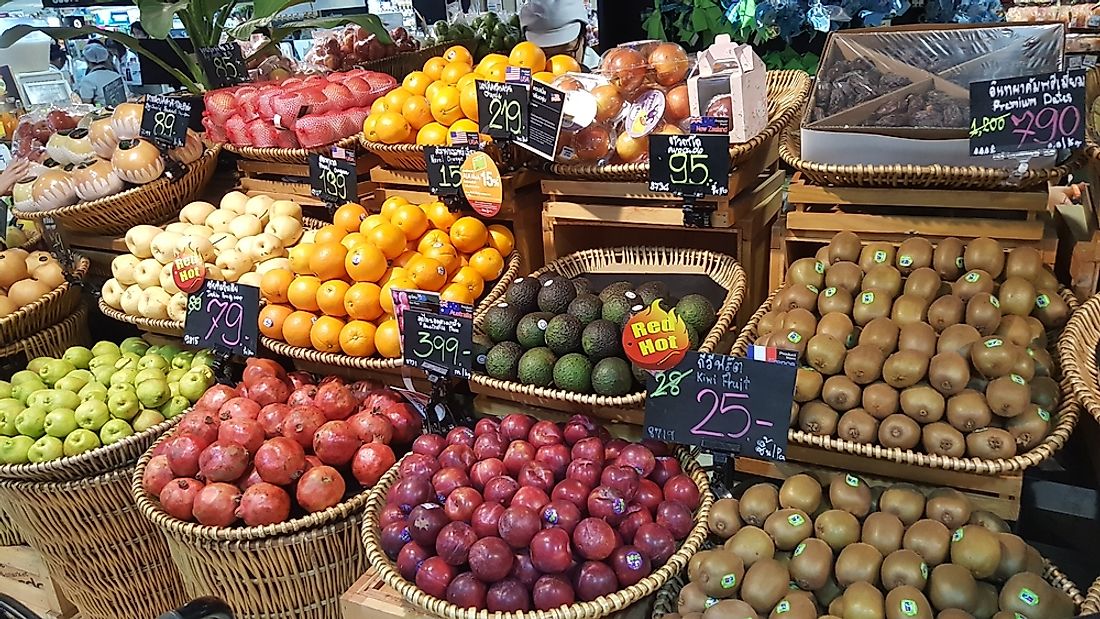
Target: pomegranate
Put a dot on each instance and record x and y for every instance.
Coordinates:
(393, 537)
(489, 445)
(302, 423)
(466, 591)
(280, 461)
(595, 579)
(501, 489)
(216, 505)
(630, 565)
(655, 542)
(331, 379)
(371, 462)
(516, 427)
(530, 497)
(409, 492)
(490, 559)
(299, 379)
(418, 465)
(486, 425)
(302, 396)
(335, 401)
(485, 521)
(424, 522)
(264, 503)
(550, 551)
(561, 514)
(483, 471)
(507, 596)
(257, 367)
(584, 471)
(676, 518)
(454, 541)
(590, 449)
(622, 478)
(552, 591)
(335, 443)
(183, 454)
(157, 475)
(245, 432)
(409, 560)
(271, 418)
(268, 390)
(223, 462)
(545, 433)
(637, 456)
(536, 475)
(214, 397)
(594, 539)
(447, 480)
(178, 498)
(370, 428)
(518, 525)
(461, 435)
(201, 424)
(434, 576)
(361, 388)
(461, 503)
(320, 488)
(429, 444)
(249, 479)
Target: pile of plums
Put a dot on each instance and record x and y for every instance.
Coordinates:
(519, 514)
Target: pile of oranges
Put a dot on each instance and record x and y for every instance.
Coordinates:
(442, 98)
(336, 296)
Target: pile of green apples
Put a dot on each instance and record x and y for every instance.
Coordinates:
(94, 397)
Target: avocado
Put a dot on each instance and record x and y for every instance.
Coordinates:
(614, 289)
(563, 334)
(618, 307)
(501, 321)
(586, 307)
(583, 285)
(651, 291)
(612, 376)
(531, 330)
(573, 372)
(536, 367)
(502, 360)
(556, 294)
(547, 276)
(698, 312)
(601, 339)
(523, 294)
(693, 337)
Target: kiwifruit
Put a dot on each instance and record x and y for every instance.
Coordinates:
(827, 593)
(985, 605)
(826, 354)
(904, 368)
(800, 492)
(841, 393)
(844, 246)
(882, 333)
(903, 501)
(1038, 332)
(948, 506)
(928, 538)
(903, 568)
(770, 322)
(941, 439)
(846, 276)
(692, 598)
(795, 295)
(948, 373)
(1024, 262)
(817, 418)
(822, 254)
(695, 564)
(909, 309)
(952, 586)
(919, 337)
(992, 357)
(1017, 296)
(1046, 282)
(1008, 396)
(883, 530)
(1040, 356)
(1046, 392)
(976, 549)
(1013, 556)
(724, 519)
(948, 258)
(788, 339)
(802, 321)
(795, 606)
(923, 403)
(1014, 329)
(899, 431)
(874, 254)
(1035, 562)
(837, 325)
(833, 299)
(989, 520)
(885, 278)
(811, 564)
(807, 384)
(1051, 310)
(836, 607)
(971, 283)
(914, 253)
(990, 444)
(863, 601)
(808, 272)
(851, 494)
(837, 528)
(869, 305)
(1025, 364)
(730, 608)
(765, 584)
(954, 613)
(858, 562)
(983, 312)
(858, 426)
(721, 574)
(958, 338)
(751, 543)
(1030, 428)
(757, 503)
(880, 400)
(788, 527)
(946, 311)
(986, 254)
(967, 411)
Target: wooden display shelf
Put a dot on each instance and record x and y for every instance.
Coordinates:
(23, 576)
(290, 181)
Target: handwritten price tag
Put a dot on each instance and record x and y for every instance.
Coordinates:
(223, 315)
(1034, 113)
(437, 343)
(164, 120)
(224, 64)
(445, 168)
(333, 179)
(693, 165)
(502, 110)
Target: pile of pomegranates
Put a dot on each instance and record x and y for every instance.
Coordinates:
(519, 514)
(277, 446)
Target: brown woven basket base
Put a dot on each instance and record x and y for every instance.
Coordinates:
(53, 341)
(1077, 353)
(8, 535)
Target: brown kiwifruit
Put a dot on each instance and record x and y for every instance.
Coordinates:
(837, 325)
(858, 562)
(958, 338)
(841, 393)
(884, 278)
(800, 492)
(765, 584)
(795, 295)
(882, 333)
(914, 253)
(724, 518)
(1013, 556)
(923, 282)
(986, 603)
(1008, 396)
(983, 312)
(883, 530)
(1046, 392)
(837, 528)
(946, 311)
(948, 506)
(695, 564)
(751, 543)
(1046, 282)
(876, 254)
(1014, 329)
(992, 357)
(971, 283)
(869, 305)
(880, 400)
(808, 272)
(1025, 364)
(788, 527)
(844, 246)
(904, 368)
(989, 520)
(909, 309)
(807, 384)
(811, 564)
(721, 574)
(817, 418)
(1017, 296)
(919, 337)
(863, 601)
(827, 593)
(801, 320)
(990, 444)
(1038, 332)
(770, 322)
(758, 502)
(952, 586)
(928, 538)
(976, 549)
(948, 258)
(1051, 310)
(967, 411)
(954, 613)
(941, 439)
(1023, 262)
(834, 299)
(903, 567)
(863, 364)
(899, 431)
(1035, 562)
(846, 276)
(692, 599)
(1029, 595)
(851, 494)
(826, 354)
(858, 426)
(948, 373)
(730, 608)
(788, 339)
(904, 501)
(1030, 428)
(986, 254)
(923, 403)
(794, 606)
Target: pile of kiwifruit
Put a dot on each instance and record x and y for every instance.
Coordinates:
(852, 552)
(941, 348)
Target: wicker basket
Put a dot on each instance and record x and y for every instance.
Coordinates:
(8, 535)
(1092, 600)
(296, 569)
(400, 65)
(288, 155)
(33, 242)
(721, 268)
(52, 341)
(1065, 420)
(600, 607)
(410, 157)
(154, 202)
(787, 94)
(47, 311)
(1077, 354)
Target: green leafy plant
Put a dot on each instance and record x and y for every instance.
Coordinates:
(206, 24)
(696, 23)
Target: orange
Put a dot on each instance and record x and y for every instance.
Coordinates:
(527, 54)
(361, 301)
(501, 239)
(393, 273)
(302, 292)
(468, 234)
(445, 253)
(370, 127)
(365, 263)
(370, 222)
(457, 293)
(392, 128)
(432, 89)
(385, 298)
(325, 334)
(378, 106)
(357, 338)
(417, 111)
(441, 217)
(432, 134)
(415, 82)
(274, 283)
(353, 239)
(560, 64)
(463, 125)
(387, 339)
(544, 76)
(490, 60)
(488, 263)
(388, 238)
(330, 297)
(390, 204)
(349, 217)
(329, 234)
(457, 53)
(497, 72)
(299, 258)
(396, 98)
(432, 237)
(296, 328)
(405, 258)
(327, 261)
(428, 273)
(272, 317)
(446, 107)
(469, 78)
(412, 221)
(434, 67)
(471, 279)
(453, 72)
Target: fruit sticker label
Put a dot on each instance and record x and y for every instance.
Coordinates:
(796, 520)
(905, 261)
(830, 292)
(957, 535)
(710, 602)
(1029, 597)
(645, 113)
(924, 570)
(188, 272)
(1016, 378)
(799, 550)
(634, 560)
(880, 256)
(819, 267)
(959, 262)
(993, 343)
(729, 581)
(794, 337)
(655, 339)
(994, 302)
(851, 480)
(973, 277)
(1044, 415)
(782, 607)
(1042, 301)
(909, 608)
(481, 184)
(867, 298)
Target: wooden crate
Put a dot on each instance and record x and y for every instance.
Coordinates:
(23, 576)
(290, 181)
(520, 210)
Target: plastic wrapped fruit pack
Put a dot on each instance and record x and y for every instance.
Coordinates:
(344, 48)
(37, 126)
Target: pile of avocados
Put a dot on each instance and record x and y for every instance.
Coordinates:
(847, 551)
(919, 347)
(555, 331)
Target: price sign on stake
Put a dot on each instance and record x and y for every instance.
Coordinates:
(438, 343)
(502, 110)
(445, 168)
(723, 403)
(1027, 114)
(690, 165)
(224, 64)
(332, 179)
(164, 120)
(544, 121)
(223, 315)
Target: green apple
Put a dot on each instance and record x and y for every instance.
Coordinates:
(35, 365)
(73, 382)
(124, 376)
(91, 415)
(23, 390)
(148, 374)
(175, 406)
(31, 422)
(9, 408)
(154, 361)
(123, 405)
(93, 391)
(104, 348)
(135, 345)
(80, 441)
(5, 389)
(182, 360)
(174, 375)
(14, 450)
(114, 431)
(45, 449)
(108, 360)
(23, 376)
(103, 374)
(194, 383)
(153, 393)
(54, 370)
(146, 419)
(79, 356)
(60, 422)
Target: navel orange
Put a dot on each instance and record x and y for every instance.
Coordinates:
(272, 317)
(361, 301)
(357, 338)
(325, 334)
(302, 292)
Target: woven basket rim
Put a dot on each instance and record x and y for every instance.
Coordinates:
(80, 271)
(282, 154)
(1066, 419)
(209, 157)
(601, 606)
(159, 324)
(1077, 354)
(1092, 599)
(728, 310)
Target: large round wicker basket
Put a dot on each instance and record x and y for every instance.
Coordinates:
(1077, 353)
(8, 535)
(52, 341)
(599, 607)
(288, 155)
(1092, 600)
(49, 310)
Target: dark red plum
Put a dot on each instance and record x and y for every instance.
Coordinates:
(447, 480)
(589, 449)
(461, 435)
(518, 525)
(489, 445)
(655, 542)
(481, 472)
(585, 471)
(630, 565)
(454, 541)
(491, 559)
(507, 596)
(458, 456)
(537, 475)
(572, 490)
(594, 539)
(554, 456)
(516, 427)
(518, 454)
(622, 478)
(550, 551)
(545, 433)
(424, 522)
(595, 579)
(531, 498)
(639, 457)
(552, 591)
(429, 445)
(461, 504)
(683, 490)
(434, 576)
(485, 520)
(676, 518)
(561, 514)
(394, 538)
(501, 489)
(409, 560)
(466, 591)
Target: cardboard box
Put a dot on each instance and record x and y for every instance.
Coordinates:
(734, 70)
(23, 576)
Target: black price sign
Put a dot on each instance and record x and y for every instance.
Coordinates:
(445, 168)
(502, 110)
(437, 343)
(164, 120)
(544, 120)
(223, 315)
(1027, 114)
(724, 403)
(690, 165)
(332, 179)
(223, 64)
